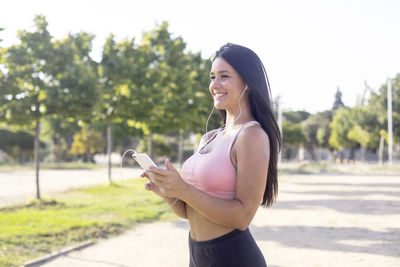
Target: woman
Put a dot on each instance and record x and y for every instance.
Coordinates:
(234, 170)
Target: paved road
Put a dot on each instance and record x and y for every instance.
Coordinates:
(319, 220)
(20, 186)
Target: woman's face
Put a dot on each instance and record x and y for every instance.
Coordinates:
(226, 85)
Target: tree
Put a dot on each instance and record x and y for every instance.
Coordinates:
(341, 124)
(43, 78)
(378, 103)
(293, 135)
(296, 116)
(73, 99)
(75, 75)
(87, 142)
(338, 100)
(27, 81)
(122, 72)
(17, 144)
(360, 136)
(316, 131)
(178, 84)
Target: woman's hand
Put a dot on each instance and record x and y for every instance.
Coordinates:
(167, 182)
(151, 186)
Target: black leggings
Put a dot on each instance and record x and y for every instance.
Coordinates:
(234, 249)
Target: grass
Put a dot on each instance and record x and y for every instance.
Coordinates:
(41, 227)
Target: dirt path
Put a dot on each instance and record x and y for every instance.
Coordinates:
(319, 220)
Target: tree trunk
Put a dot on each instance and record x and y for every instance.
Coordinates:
(37, 160)
(109, 144)
(180, 147)
(381, 144)
(310, 151)
(150, 145)
(352, 154)
(333, 155)
(341, 156)
(57, 145)
(363, 152)
(319, 154)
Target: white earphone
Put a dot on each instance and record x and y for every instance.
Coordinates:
(240, 113)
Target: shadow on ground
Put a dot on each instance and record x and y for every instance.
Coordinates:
(335, 239)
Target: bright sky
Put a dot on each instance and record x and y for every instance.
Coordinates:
(308, 47)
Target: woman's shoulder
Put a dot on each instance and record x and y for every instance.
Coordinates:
(253, 135)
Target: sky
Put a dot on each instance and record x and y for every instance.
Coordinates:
(309, 47)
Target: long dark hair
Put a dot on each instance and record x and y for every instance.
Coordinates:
(252, 72)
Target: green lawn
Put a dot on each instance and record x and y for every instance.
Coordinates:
(38, 228)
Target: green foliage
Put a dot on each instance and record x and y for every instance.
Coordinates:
(292, 133)
(316, 130)
(341, 124)
(27, 81)
(360, 136)
(176, 84)
(161, 148)
(366, 129)
(17, 144)
(378, 104)
(75, 89)
(296, 116)
(87, 142)
(117, 72)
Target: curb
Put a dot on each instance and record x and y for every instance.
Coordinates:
(52, 256)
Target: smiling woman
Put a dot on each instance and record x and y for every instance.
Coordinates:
(234, 170)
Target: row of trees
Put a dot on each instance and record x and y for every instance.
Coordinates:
(363, 126)
(55, 89)
(140, 88)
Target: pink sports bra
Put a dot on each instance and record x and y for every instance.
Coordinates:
(213, 172)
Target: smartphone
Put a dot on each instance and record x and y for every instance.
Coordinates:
(143, 160)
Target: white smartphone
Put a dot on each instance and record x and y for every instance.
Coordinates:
(143, 160)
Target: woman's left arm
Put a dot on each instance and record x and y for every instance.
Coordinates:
(252, 154)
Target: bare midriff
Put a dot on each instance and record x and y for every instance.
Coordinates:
(201, 228)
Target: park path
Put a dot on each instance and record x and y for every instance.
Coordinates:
(18, 186)
(319, 220)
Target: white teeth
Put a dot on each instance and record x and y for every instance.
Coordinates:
(220, 94)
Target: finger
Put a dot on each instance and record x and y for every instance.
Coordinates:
(148, 186)
(158, 183)
(157, 177)
(169, 165)
(159, 171)
(144, 174)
